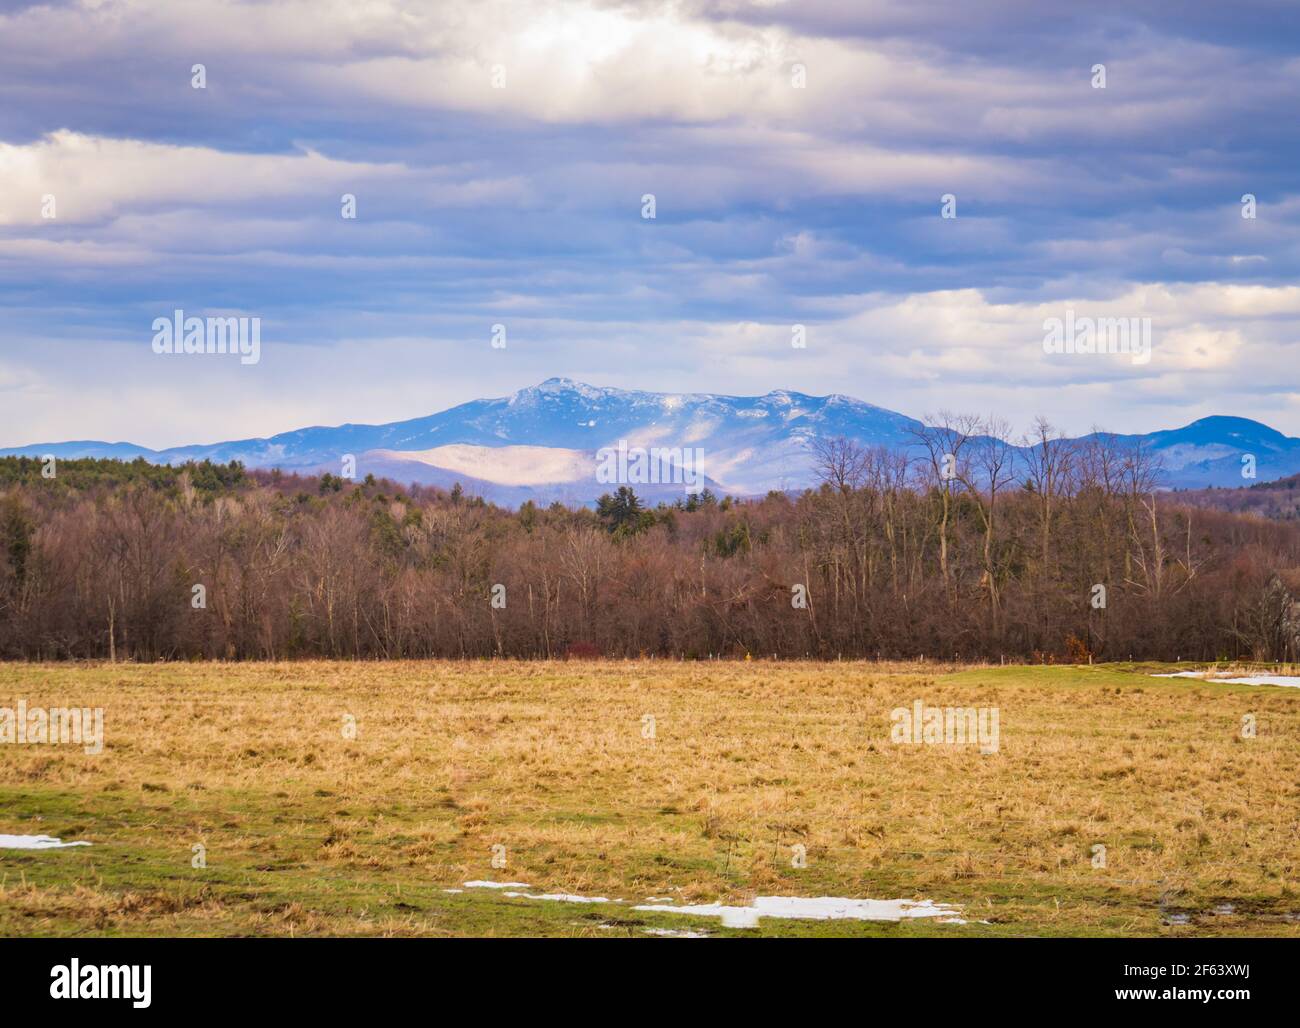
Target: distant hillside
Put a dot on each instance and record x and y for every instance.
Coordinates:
(542, 443)
(1279, 501)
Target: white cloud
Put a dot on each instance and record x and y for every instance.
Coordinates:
(93, 178)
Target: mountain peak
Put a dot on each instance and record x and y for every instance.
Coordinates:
(557, 387)
(1224, 427)
(560, 384)
(1230, 422)
(753, 443)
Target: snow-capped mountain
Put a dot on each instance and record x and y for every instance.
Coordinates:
(543, 442)
(1211, 451)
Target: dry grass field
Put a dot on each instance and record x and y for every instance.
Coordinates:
(308, 831)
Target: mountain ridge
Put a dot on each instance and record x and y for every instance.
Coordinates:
(752, 443)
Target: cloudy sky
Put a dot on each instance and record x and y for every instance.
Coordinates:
(499, 152)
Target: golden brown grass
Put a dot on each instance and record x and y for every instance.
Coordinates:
(310, 832)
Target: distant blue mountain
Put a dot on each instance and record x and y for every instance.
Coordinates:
(1209, 452)
(540, 442)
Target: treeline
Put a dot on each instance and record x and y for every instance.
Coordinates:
(1279, 500)
(79, 475)
(968, 548)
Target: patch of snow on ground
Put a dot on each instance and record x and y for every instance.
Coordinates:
(497, 885)
(820, 908)
(1290, 681)
(35, 842)
(559, 897)
(675, 933)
